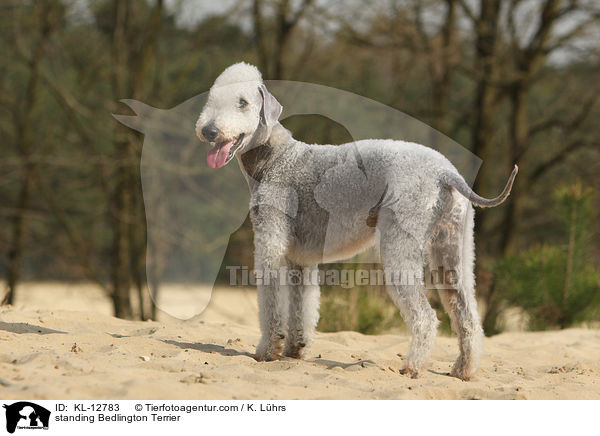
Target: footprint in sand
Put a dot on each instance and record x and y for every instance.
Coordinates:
(140, 332)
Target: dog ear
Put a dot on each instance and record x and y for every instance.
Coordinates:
(271, 109)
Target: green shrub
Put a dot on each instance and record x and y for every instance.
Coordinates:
(557, 285)
(365, 309)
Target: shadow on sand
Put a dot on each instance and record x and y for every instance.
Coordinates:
(23, 327)
(209, 348)
(224, 351)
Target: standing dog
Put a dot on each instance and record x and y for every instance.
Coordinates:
(320, 203)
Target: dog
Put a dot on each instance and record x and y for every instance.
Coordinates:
(320, 203)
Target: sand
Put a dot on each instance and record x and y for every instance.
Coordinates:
(65, 345)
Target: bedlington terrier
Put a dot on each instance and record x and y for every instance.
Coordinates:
(408, 194)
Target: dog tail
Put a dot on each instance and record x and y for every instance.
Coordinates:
(461, 186)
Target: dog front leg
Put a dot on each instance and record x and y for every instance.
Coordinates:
(272, 305)
(303, 312)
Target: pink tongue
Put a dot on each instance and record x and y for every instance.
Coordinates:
(218, 155)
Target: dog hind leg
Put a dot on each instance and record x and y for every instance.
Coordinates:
(453, 251)
(403, 261)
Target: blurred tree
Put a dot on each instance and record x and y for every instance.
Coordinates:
(272, 36)
(511, 80)
(134, 28)
(557, 285)
(523, 60)
(505, 58)
(30, 51)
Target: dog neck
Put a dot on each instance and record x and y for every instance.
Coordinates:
(259, 158)
(279, 136)
(254, 162)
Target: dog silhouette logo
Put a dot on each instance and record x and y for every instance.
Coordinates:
(26, 415)
(192, 211)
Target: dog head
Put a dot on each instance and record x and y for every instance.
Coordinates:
(240, 113)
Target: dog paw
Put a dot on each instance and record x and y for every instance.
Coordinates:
(464, 368)
(297, 351)
(411, 372)
(267, 352)
(461, 373)
(266, 356)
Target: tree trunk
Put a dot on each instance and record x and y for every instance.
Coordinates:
(137, 235)
(519, 134)
(485, 67)
(130, 72)
(24, 147)
(486, 28)
(15, 253)
(492, 311)
(441, 78)
(121, 272)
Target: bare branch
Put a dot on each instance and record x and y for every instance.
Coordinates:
(468, 11)
(257, 16)
(568, 125)
(541, 169)
(576, 31)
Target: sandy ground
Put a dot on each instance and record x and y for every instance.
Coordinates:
(72, 348)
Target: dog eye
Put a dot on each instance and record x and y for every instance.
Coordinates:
(242, 103)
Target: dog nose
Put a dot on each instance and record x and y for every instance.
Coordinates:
(210, 132)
